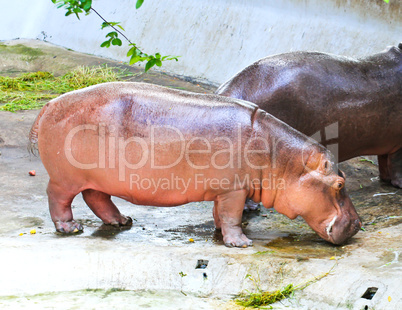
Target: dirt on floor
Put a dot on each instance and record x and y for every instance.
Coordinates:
(156, 255)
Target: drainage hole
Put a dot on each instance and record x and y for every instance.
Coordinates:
(370, 292)
(201, 264)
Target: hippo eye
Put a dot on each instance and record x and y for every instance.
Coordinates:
(340, 185)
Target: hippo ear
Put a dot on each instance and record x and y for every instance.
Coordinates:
(313, 161)
(325, 166)
(319, 162)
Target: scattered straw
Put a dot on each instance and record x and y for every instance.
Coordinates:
(260, 299)
(33, 90)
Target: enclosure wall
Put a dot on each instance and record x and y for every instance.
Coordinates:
(215, 38)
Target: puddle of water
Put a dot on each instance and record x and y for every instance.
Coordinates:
(202, 232)
(389, 260)
(10, 222)
(109, 232)
(303, 247)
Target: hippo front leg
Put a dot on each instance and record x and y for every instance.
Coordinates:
(228, 211)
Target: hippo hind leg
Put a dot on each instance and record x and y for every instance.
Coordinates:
(383, 167)
(251, 205)
(60, 201)
(103, 207)
(228, 211)
(390, 166)
(395, 168)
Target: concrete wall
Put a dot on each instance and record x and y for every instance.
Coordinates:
(215, 38)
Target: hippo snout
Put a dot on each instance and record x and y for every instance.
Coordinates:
(343, 230)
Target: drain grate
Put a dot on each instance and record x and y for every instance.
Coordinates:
(201, 264)
(370, 292)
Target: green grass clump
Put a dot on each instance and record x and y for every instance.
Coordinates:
(262, 299)
(32, 90)
(265, 298)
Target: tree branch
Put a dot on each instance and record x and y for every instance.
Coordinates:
(117, 30)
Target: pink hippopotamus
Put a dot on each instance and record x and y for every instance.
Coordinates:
(157, 146)
(352, 104)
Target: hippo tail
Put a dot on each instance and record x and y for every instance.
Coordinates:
(33, 134)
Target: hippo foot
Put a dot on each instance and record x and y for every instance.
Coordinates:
(397, 183)
(251, 205)
(122, 221)
(69, 227)
(240, 241)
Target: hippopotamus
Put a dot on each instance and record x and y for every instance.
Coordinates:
(152, 145)
(352, 104)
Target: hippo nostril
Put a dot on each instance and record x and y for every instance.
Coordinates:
(357, 226)
(358, 223)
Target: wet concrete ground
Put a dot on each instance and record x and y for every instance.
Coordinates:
(154, 265)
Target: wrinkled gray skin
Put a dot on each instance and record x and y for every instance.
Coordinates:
(311, 91)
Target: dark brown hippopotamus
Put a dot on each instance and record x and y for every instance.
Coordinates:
(353, 103)
(152, 145)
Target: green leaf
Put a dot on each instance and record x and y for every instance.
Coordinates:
(158, 56)
(121, 27)
(168, 57)
(111, 24)
(106, 44)
(132, 51)
(87, 5)
(112, 34)
(116, 41)
(138, 4)
(387, 1)
(150, 64)
(134, 59)
(158, 62)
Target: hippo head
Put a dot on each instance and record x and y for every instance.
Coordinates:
(319, 197)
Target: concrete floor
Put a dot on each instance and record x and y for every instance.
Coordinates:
(154, 265)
